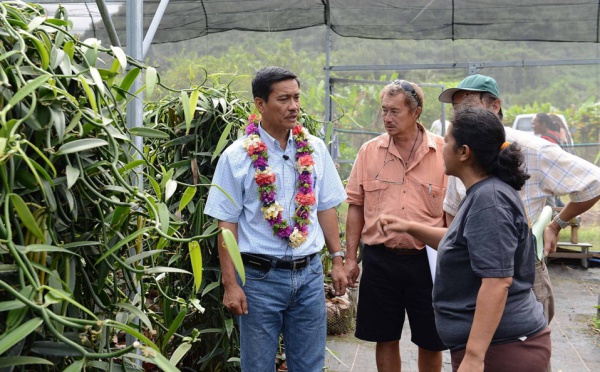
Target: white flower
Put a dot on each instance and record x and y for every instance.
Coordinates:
(252, 140)
(296, 238)
(272, 211)
(300, 168)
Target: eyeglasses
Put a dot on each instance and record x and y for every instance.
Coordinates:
(408, 88)
(385, 161)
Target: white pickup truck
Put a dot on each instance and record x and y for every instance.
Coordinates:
(523, 122)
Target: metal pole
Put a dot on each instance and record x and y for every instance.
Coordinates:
(108, 23)
(134, 35)
(154, 25)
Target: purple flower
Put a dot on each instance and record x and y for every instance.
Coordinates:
(268, 197)
(304, 178)
(261, 162)
(251, 129)
(285, 232)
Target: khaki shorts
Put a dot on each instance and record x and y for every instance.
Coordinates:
(543, 290)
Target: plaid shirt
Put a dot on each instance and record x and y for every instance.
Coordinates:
(552, 170)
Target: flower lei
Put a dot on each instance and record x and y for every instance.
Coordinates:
(265, 179)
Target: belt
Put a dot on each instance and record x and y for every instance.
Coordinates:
(266, 262)
(398, 251)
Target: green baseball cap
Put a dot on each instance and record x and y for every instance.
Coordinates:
(474, 83)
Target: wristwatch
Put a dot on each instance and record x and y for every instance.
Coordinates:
(337, 254)
(560, 222)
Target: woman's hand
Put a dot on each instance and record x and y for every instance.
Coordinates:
(386, 223)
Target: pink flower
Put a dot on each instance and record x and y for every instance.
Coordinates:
(297, 130)
(264, 178)
(305, 199)
(306, 160)
(256, 149)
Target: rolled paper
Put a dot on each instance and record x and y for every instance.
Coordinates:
(538, 230)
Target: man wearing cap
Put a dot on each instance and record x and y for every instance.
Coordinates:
(554, 172)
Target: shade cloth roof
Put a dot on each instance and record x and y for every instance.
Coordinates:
(505, 20)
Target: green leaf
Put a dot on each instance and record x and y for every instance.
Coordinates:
(229, 326)
(11, 305)
(170, 188)
(196, 258)
(137, 312)
(234, 252)
(180, 352)
(7, 54)
(174, 326)
(148, 132)
(141, 256)
(121, 243)
(47, 248)
(192, 104)
(128, 81)
(25, 91)
(22, 361)
(72, 175)
(81, 145)
(97, 79)
(151, 79)
(164, 269)
(159, 360)
(222, 141)
(9, 339)
(42, 51)
(163, 217)
(26, 217)
(132, 331)
(69, 48)
(120, 55)
(77, 366)
(187, 196)
(35, 22)
(156, 187)
(185, 104)
(89, 93)
(54, 348)
(58, 121)
(54, 295)
(209, 288)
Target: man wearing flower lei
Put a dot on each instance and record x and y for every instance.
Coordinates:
(282, 192)
(400, 173)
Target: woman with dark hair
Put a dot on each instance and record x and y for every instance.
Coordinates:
(544, 126)
(485, 310)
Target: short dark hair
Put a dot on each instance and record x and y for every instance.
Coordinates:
(262, 83)
(482, 131)
(547, 121)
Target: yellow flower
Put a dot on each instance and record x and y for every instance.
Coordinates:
(296, 238)
(272, 211)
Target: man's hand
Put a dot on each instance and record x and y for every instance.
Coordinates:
(551, 238)
(352, 272)
(235, 299)
(338, 275)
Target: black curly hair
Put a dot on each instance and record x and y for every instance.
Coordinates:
(482, 131)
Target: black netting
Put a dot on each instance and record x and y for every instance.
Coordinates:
(541, 20)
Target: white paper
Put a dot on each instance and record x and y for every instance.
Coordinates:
(432, 257)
